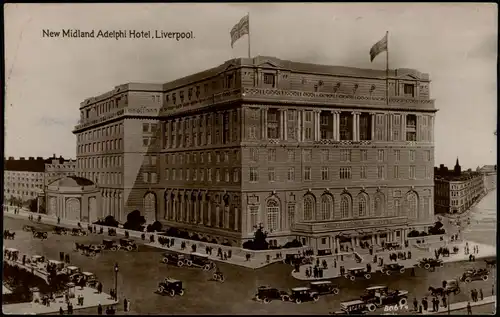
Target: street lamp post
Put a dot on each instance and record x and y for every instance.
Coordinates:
(116, 281)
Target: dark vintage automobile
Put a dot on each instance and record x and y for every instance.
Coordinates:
(110, 245)
(128, 244)
(324, 287)
(450, 286)
(378, 296)
(171, 287)
(295, 258)
(391, 246)
(89, 279)
(200, 260)
(303, 294)
(474, 275)
(390, 268)
(353, 273)
(40, 235)
(60, 231)
(175, 258)
(353, 307)
(91, 249)
(78, 232)
(111, 232)
(428, 263)
(266, 294)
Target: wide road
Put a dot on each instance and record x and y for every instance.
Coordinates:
(140, 272)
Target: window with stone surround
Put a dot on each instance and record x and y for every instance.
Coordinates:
(309, 211)
(273, 212)
(362, 172)
(324, 173)
(291, 155)
(269, 79)
(273, 124)
(271, 174)
(254, 154)
(345, 155)
(254, 218)
(254, 176)
(307, 173)
(291, 214)
(381, 172)
(307, 155)
(291, 174)
(345, 173)
(271, 155)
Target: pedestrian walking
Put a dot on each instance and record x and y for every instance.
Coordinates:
(99, 309)
(425, 303)
(415, 304)
(125, 305)
(469, 309)
(481, 296)
(61, 311)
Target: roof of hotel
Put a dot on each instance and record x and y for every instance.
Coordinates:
(72, 181)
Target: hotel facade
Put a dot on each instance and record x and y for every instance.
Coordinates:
(310, 152)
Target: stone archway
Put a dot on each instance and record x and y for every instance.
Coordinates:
(72, 209)
(150, 205)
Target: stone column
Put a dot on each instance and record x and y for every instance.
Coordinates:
(189, 204)
(417, 128)
(281, 124)
(315, 125)
(403, 127)
(299, 125)
(195, 210)
(209, 204)
(353, 242)
(336, 126)
(389, 126)
(236, 218)
(175, 128)
(377, 238)
(285, 124)
(264, 123)
(373, 239)
(303, 125)
(355, 126)
(373, 114)
(120, 206)
(181, 205)
(217, 216)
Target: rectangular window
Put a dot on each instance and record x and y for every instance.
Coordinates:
(345, 155)
(307, 155)
(291, 155)
(364, 155)
(380, 156)
(381, 172)
(345, 173)
(195, 174)
(254, 176)
(362, 172)
(324, 173)
(308, 133)
(291, 215)
(412, 155)
(396, 172)
(409, 90)
(254, 155)
(271, 155)
(188, 174)
(202, 175)
(397, 155)
(269, 79)
(254, 218)
(145, 127)
(271, 174)
(217, 175)
(173, 174)
(307, 173)
(291, 174)
(324, 155)
(227, 175)
(308, 116)
(412, 172)
(209, 174)
(145, 177)
(154, 178)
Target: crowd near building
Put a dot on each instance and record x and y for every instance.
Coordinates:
(26, 179)
(455, 191)
(310, 152)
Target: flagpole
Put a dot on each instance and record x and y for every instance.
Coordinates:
(387, 69)
(249, 56)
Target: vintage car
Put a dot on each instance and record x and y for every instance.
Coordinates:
(57, 266)
(378, 296)
(391, 246)
(428, 263)
(171, 286)
(353, 307)
(128, 244)
(91, 249)
(11, 252)
(78, 232)
(174, 258)
(29, 228)
(60, 230)
(324, 287)
(451, 286)
(357, 272)
(110, 245)
(71, 270)
(90, 279)
(267, 294)
(200, 260)
(391, 268)
(303, 294)
(295, 258)
(474, 275)
(36, 260)
(40, 235)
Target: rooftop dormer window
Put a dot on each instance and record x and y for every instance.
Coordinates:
(409, 90)
(269, 79)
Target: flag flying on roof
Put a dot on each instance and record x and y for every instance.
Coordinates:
(241, 28)
(379, 47)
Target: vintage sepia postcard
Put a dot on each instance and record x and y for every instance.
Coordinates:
(259, 159)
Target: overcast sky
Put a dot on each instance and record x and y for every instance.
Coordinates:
(48, 78)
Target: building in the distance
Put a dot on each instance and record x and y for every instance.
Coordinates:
(489, 173)
(309, 151)
(455, 191)
(58, 168)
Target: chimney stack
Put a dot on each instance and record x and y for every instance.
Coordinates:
(21, 158)
(11, 158)
(31, 158)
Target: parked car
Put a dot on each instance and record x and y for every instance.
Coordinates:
(200, 260)
(450, 287)
(428, 263)
(391, 268)
(110, 245)
(91, 249)
(128, 244)
(174, 258)
(56, 266)
(90, 279)
(267, 294)
(36, 260)
(295, 258)
(357, 272)
(474, 275)
(303, 294)
(78, 232)
(324, 287)
(353, 307)
(171, 286)
(71, 270)
(379, 296)
(60, 231)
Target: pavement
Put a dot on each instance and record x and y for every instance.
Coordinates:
(253, 263)
(485, 251)
(91, 299)
(462, 305)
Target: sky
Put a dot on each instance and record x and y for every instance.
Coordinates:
(47, 78)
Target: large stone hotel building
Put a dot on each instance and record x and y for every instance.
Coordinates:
(308, 151)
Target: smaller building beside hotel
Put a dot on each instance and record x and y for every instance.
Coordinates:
(455, 191)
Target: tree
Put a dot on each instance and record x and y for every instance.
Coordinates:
(259, 240)
(110, 221)
(135, 221)
(155, 227)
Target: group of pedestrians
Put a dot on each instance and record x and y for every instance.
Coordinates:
(476, 295)
(401, 255)
(424, 304)
(316, 272)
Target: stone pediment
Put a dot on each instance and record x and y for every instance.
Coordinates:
(409, 74)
